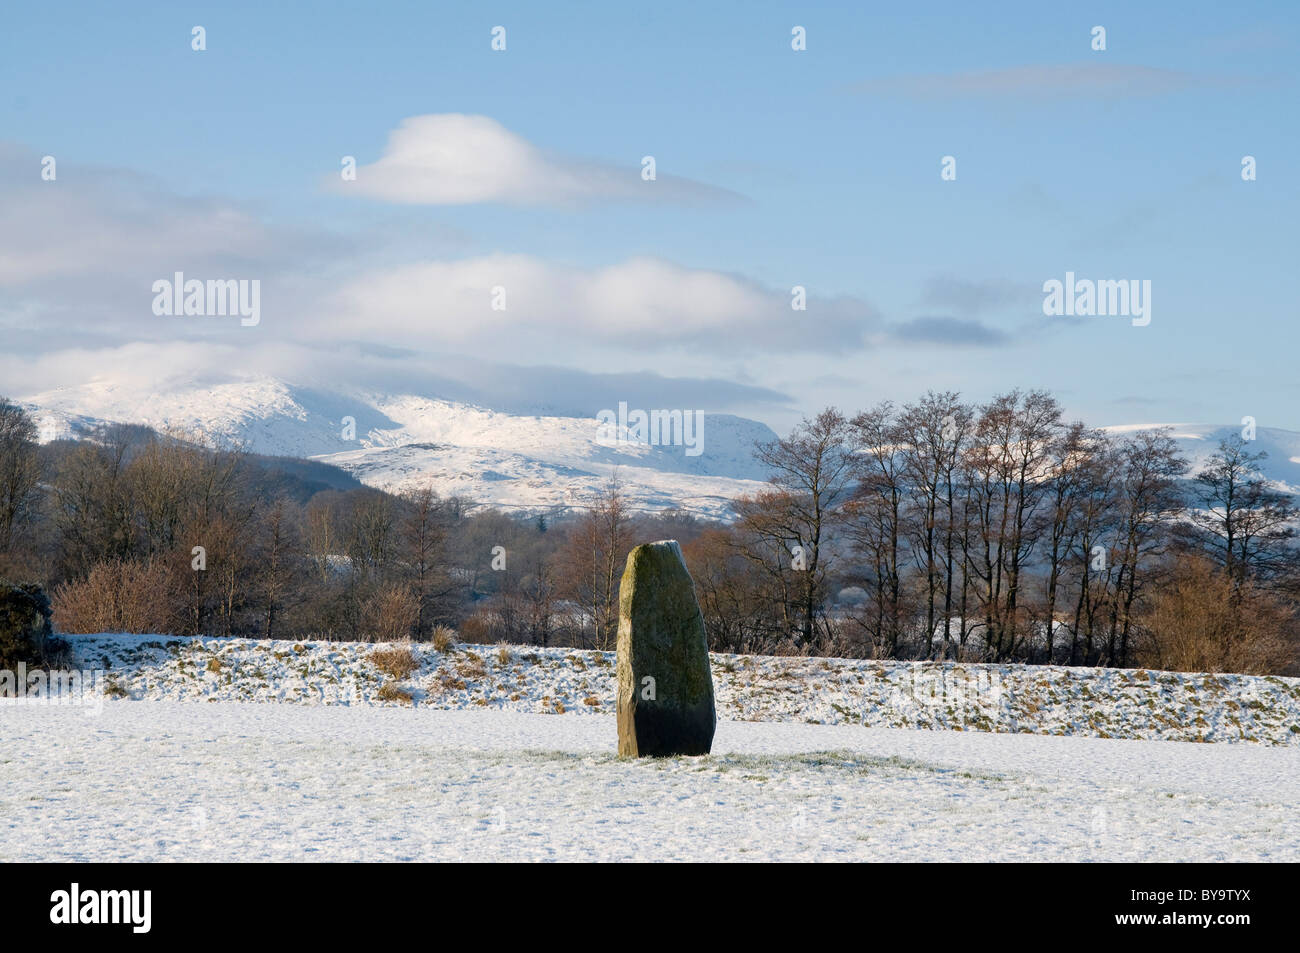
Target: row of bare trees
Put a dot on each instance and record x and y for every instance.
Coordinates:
(941, 529)
(136, 531)
(934, 529)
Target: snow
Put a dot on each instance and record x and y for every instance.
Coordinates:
(1198, 442)
(169, 781)
(510, 461)
(1052, 700)
(224, 750)
(403, 441)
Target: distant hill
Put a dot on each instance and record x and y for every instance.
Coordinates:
(1199, 442)
(511, 461)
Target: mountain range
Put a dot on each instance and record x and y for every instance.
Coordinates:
(510, 461)
(398, 442)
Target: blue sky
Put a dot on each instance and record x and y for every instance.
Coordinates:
(775, 168)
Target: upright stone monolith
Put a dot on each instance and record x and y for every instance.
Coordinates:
(665, 686)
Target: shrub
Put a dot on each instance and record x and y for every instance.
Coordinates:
(480, 628)
(444, 639)
(118, 596)
(393, 612)
(24, 624)
(390, 692)
(450, 683)
(1200, 621)
(789, 649)
(399, 661)
(471, 667)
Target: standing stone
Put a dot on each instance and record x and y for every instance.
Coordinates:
(665, 685)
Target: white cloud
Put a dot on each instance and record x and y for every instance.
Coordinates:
(642, 303)
(79, 255)
(128, 375)
(455, 159)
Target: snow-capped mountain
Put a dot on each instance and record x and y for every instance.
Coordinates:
(399, 442)
(1198, 442)
(510, 461)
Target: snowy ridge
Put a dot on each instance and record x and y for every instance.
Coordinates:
(1051, 700)
(510, 461)
(1198, 442)
(399, 442)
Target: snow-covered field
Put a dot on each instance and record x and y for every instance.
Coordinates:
(157, 780)
(236, 750)
(1103, 703)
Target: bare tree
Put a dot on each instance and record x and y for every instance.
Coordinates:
(931, 435)
(1008, 462)
(423, 542)
(1075, 471)
(19, 471)
(280, 553)
(874, 518)
(595, 554)
(1148, 499)
(1245, 523)
(812, 470)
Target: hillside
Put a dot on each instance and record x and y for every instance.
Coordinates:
(402, 441)
(1198, 442)
(1053, 700)
(510, 461)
